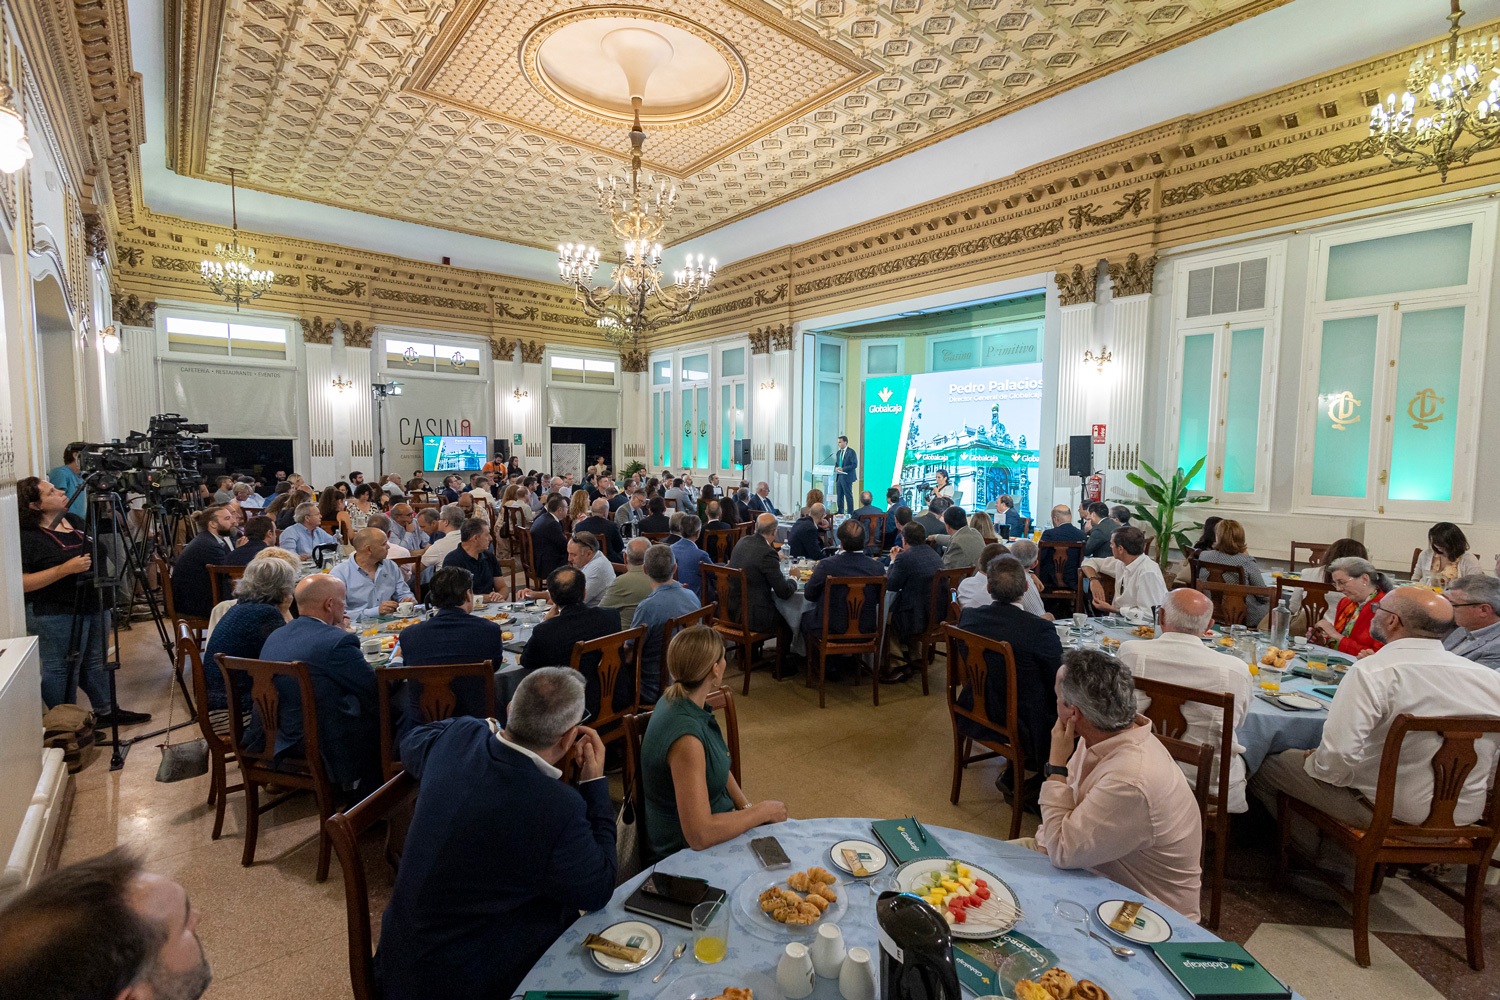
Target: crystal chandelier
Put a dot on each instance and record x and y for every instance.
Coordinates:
(1427, 125)
(233, 274)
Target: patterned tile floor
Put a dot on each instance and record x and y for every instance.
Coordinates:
(270, 930)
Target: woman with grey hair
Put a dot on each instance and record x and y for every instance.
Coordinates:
(1362, 586)
(263, 603)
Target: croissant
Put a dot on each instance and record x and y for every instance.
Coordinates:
(821, 875)
(826, 891)
(770, 900)
(1085, 990)
(1025, 989)
(817, 900)
(799, 881)
(1057, 982)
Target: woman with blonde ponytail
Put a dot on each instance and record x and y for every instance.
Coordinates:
(692, 800)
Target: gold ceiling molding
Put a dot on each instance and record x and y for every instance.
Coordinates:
(1078, 286)
(531, 352)
(131, 310)
(633, 360)
(502, 349)
(315, 331)
(765, 339)
(1133, 276)
(357, 334)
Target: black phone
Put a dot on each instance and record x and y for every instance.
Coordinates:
(687, 891)
(770, 853)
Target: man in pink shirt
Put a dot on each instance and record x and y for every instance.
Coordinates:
(1116, 803)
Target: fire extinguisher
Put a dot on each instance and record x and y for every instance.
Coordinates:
(1093, 490)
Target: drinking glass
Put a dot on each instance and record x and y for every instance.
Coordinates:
(710, 931)
(1067, 914)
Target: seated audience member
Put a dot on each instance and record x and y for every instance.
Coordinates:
(690, 558)
(284, 508)
(262, 604)
(260, 533)
(1336, 550)
(629, 588)
(668, 599)
(474, 554)
(757, 558)
(814, 495)
(632, 511)
(1063, 530)
(373, 584)
(331, 509)
(570, 621)
(1446, 557)
(343, 688)
(451, 519)
(1231, 552)
(931, 519)
(222, 608)
(393, 550)
(985, 525)
(1362, 587)
(1026, 552)
(452, 487)
(805, 537)
(578, 508)
(1139, 584)
(585, 556)
(106, 928)
(656, 521)
(1037, 653)
(1411, 673)
(849, 560)
(1178, 656)
(909, 581)
(549, 546)
(598, 523)
(962, 544)
(867, 505)
(692, 799)
(453, 635)
(518, 499)
(893, 503)
(501, 855)
(1101, 529)
(430, 523)
(1116, 803)
(1476, 617)
(1120, 513)
(974, 591)
(1008, 517)
(675, 492)
(192, 597)
(761, 502)
(392, 487)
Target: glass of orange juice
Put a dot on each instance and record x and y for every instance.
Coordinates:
(711, 931)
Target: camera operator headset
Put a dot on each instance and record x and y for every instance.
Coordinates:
(55, 564)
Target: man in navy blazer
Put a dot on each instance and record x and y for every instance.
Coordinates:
(1063, 530)
(805, 539)
(845, 465)
(914, 567)
(1006, 514)
(761, 502)
(850, 560)
(501, 854)
(192, 597)
(548, 543)
(343, 687)
(453, 635)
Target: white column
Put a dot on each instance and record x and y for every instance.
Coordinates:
(502, 383)
(1073, 385)
(1128, 350)
(136, 395)
(323, 404)
(532, 412)
(360, 406)
(781, 440)
(764, 404)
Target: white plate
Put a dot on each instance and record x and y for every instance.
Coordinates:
(710, 982)
(997, 915)
(1300, 701)
(636, 934)
(1149, 926)
(872, 857)
(747, 902)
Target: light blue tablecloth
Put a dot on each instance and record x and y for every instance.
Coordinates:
(566, 966)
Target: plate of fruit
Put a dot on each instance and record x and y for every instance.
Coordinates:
(976, 903)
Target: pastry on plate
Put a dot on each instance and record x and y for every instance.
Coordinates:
(1057, 982)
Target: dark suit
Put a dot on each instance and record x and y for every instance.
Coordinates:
(932, 523)
(762, 505)
(1038, 653)
(821, 585)
(552, 641)
(1065, 532)
(499, 859)
(343, 687)
(890, 523)
(764, 579)
(1098, 545)
(242, 555)
(548, 543)
(452, 635)
(1012, 521)
(910, 579)
(804, 539)
(616, 500)
(608, 534)
(846, 464)
(654, 523)
(191, 595)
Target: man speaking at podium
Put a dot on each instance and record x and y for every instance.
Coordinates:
(845, 463)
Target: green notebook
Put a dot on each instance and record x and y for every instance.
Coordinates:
(977, 961)
(1218, 970)
(907, 840)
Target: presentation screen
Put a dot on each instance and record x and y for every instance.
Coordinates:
(453, 454)
(982, 426)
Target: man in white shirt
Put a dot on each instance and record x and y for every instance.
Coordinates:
(1178, 656)
(1413, 674)
(1138, 580)
(973, 591)
(452, 520)
(1027, 552)
(586, 555)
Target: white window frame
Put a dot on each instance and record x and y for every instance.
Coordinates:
(165, 353)
(716, 396)
(439, 341)
(681, 385)
(818, 377)
(584, 355)
(1383, 407)
(667, 389)
(1268, 319)
(864, 356)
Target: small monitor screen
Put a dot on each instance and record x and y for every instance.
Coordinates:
(453, 454)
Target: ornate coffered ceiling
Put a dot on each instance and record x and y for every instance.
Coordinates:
(432, 111)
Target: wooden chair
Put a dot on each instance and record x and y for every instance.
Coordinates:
(212, 726)
(1060, 554)
(969, 670)
(334, 529)
(617, 652)
(197, 626)
(1085, 596)
(437, 700)
(527, 556)
(1315, 553)
(1314, 596)
(1230, 607)
(874, 525)
(1200, 756)
(344, 830)
(655, 536)
(1165, 713)
(1436, 840)
(942, 608)
(411, 567)
(669, 628)
(671, 503)
(725, 591)
(221, 581)
(854, 640)
(718, 542)
(1416, 555)
(259, 767)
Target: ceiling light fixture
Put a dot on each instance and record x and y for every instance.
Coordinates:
(14, 149)
(635, 302)
(233, 274)
(1440, 86)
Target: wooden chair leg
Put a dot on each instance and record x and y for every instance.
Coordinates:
(215, 770)
(219, 781)
(1221, 852)
(745, 660)
(1363, 872)
(1474, 914)
(783, 638)
(958, 766)
(252, 821)
(325, 842)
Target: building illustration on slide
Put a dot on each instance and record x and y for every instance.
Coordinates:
(983, 463)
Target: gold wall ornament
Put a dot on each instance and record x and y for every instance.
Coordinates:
(318, 283)
(765, 298)
(633, 360)
(781, 337)
(531, 352)
(502, 349)
(1134, 203)
(315, 331)
(132, 310)
(1283, 170)
(130, 256)
(1341, 407)
(1133, 277)
(760, 340)
(1077, 286)
(359, 334)
(1423, 408)
(504, 311)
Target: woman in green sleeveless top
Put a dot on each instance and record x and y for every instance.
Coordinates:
(692, 800)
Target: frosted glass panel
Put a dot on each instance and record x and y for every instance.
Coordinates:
(739, 409)
(656, 458)
(689, 436)
(1435, 258)
(702, 462)
(882, 360)
(830, 359)
(1425, 424)
(695, 368)
(1197, 384)
(1346, 379)
(827, 424)
(732, 362)
(1242, 418)
(726, 426)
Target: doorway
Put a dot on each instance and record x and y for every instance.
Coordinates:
(257, 456)
(596, 441)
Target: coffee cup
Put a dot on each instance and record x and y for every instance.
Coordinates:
(405, 608)
(370, 646)
(1080, 620)
(478, 601)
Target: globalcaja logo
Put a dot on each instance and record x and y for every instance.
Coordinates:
(885, 406)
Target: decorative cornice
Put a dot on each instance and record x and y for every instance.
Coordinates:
(781, 337)
(1134, 277)
(760, 340)
(633, 360)
(1132, 204)
(130, 310)
(358, 334)
(318, 283)
(1078, 286)
(502, 349)
(315, 331)
(531, 352)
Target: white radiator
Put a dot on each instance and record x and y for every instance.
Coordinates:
(33, 781)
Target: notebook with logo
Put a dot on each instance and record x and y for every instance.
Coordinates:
(1218, 970)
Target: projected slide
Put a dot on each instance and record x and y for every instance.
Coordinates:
(452, 454)
(981, 426)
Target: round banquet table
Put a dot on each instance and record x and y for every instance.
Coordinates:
(756, 948)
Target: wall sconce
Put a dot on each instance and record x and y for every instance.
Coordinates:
(14, 149)
(109, 339)
(342, 383)
(1101, 359)
(768, 385)
(519, 395)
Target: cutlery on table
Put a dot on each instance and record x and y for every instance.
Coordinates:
(676, 954)
(1120, 950)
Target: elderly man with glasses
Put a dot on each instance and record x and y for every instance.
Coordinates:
(1476, 617)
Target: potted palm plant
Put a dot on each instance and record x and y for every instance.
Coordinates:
(1166, 499)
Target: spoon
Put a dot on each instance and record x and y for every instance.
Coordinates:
(1119, 950)
(676, 954)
